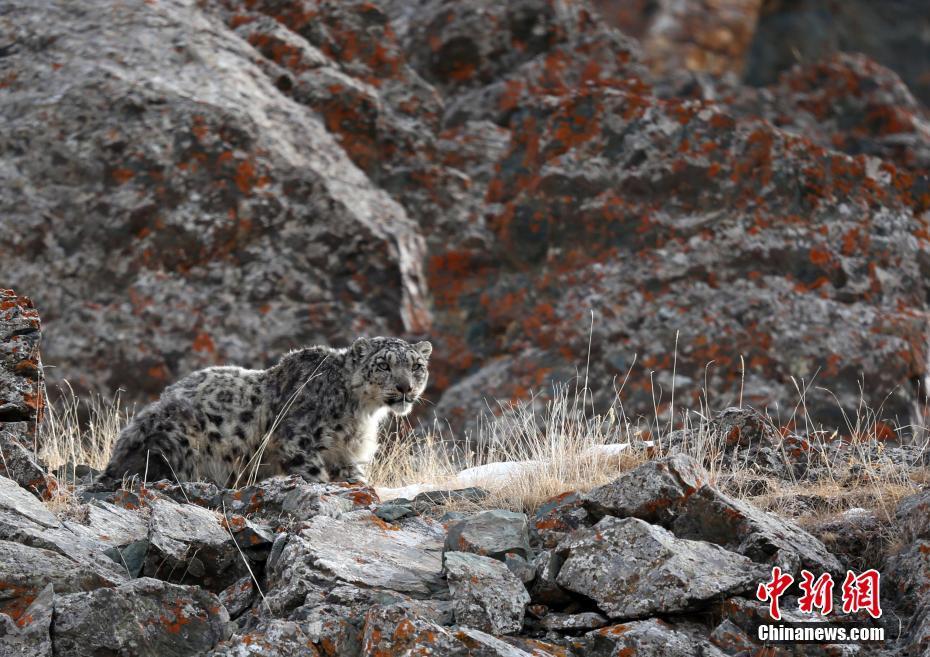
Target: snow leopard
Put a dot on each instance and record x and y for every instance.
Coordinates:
(316, 413)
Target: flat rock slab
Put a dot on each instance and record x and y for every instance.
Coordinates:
(645, 638)
(144, 618)
(491, 533)
(632, 569)
(361, 549)
(25, 520)
(485, 594)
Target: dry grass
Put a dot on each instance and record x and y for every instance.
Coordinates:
(551, 447)
(65, 441)
(562, 448)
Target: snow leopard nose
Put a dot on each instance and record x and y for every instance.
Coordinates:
(404, 388)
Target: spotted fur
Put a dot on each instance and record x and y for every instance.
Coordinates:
(322, 408)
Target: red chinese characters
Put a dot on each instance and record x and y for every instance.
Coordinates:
(772, 590)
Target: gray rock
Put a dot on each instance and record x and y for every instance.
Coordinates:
(572, 623)
(490, 533)
(557, 517)
(906, 577)
(391, 512)
(913, 516)
(485, 594)
(431, 498)
(645, 638)
(395, 631)
(730, 637)
(29, 634)
(24, 519)
(360, 549)
(188, 543)
(652, 492)
(19, 463)
(25, 571)
(524, 571)
(633, 569)
(21, 392)
(144, 618)
(546, 589)
(709, 515)
(238, 596)
(272, 638)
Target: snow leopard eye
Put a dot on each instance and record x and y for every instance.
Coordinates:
(384, 367)
(417, 367)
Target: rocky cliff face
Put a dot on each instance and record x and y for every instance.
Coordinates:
(192, 183)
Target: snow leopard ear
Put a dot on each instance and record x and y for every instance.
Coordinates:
(360, 348)
(425, 348)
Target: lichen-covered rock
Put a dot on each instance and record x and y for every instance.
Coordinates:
(19, 463)
(646, 638)
(393, 631)
(652, 492)
(29, 633)
(274, 638)
(913, 516)
(573, 623)
(557, 517)
(144, 618)
(709, 515)
(21, 396)
(633, 569)
(26, 571)
(359, 549)
(485, 594)
(25, 520)
(906, 576)
(490, 533)
(191, 544)
(807, 30)
(241, 226)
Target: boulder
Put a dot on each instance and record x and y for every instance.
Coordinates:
(645, 638)
(359, 549)
(485, 594)
(709, 515)
(143, 618)
(25, 520)
(652, 492)
(490, 533)
(191, 544)
(392, 631)
(913, 516)
(632, 569)
(272, 638)
(26, 571)
(557, 517)
(906, 577)
(242, 226)
(19, 463)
